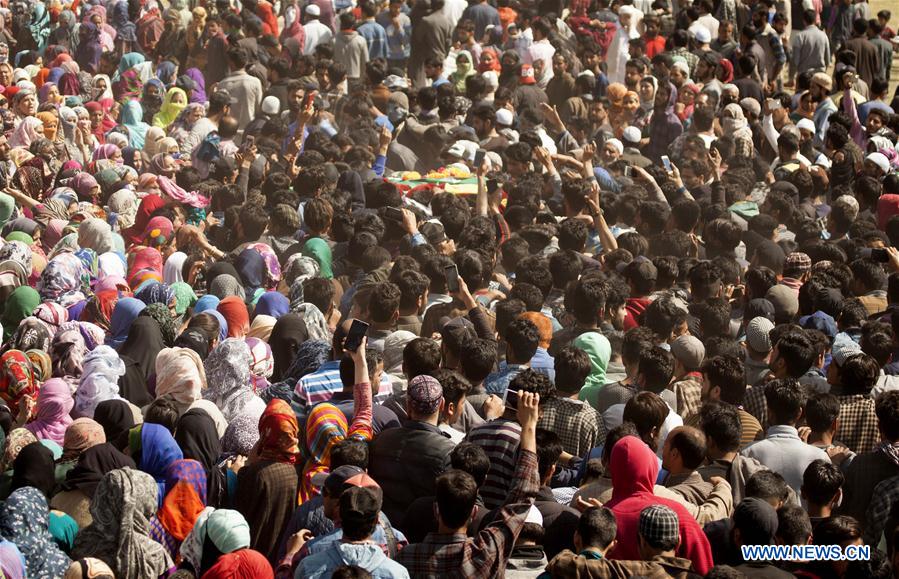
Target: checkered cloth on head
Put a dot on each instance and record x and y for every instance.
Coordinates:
(659, 525)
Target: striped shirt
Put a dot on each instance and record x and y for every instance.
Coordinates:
(499, 439)
(324, 383)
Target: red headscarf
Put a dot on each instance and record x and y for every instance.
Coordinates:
(148, 205)
(242, 564)
(496, 66)
(147, 258)
(235, 313)
(17, 380)
(278, 433)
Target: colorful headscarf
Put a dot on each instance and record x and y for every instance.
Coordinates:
(99, 380)
(235, 312)
(225, 529)
(185, 499)
(51, 414)
(19, 305)
(81, 435)
(228, 375)
(126, 310)
(16, 379)
(25, 520)
(241, 436)
(118, 535)
(278, 431)
(156, 448)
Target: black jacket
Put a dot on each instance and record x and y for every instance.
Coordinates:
(406, 461)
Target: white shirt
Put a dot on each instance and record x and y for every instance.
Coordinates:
(316, 33)
(453, 10)
(710, 23)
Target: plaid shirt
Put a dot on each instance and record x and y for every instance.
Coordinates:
(499, 438)
(688, 392)
(884, 499)
(858, 423)
(483, 556)
(754, 402)
(577, 423)
(567, 565)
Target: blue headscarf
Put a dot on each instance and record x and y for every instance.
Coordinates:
(223, 323)
(125, 312)
(165, 72)
(129, 61)
(131, 117)
(158, 450)
(207, 302)
(272, 304)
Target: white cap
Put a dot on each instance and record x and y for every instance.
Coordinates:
(617, 144)
(313, 10)
(631, 135)
(701, 34)
(463, 149)
(271, 105)
(504, 117)
(806, 125)
(492, 78)
(880, 160)
(496, 162)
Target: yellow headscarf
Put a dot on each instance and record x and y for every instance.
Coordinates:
(51, 124)
(169, 111)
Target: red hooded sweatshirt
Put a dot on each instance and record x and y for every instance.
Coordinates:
(634, 471)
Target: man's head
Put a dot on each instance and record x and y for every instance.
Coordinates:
(724, 378)
(754, 522)
(522, 341)
(424, 399)
(572, 366)
(822, 484)
(647, 411)
(793, 355)
(786, 399)
(454, 499)
(655, 370)
(684, 450)
(722, 427)
(887, 409)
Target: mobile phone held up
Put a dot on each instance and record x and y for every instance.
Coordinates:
(511, 399)
(393, 214)
(479, 158)
(452, 278)
(353, 340)
(879, 255)
(666, 162)
(308, 98)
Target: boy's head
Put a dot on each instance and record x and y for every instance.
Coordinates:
(822, 483)
(596, 530)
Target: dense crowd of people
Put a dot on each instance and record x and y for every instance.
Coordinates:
(439, 288)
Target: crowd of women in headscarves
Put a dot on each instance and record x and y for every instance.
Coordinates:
(129, 404)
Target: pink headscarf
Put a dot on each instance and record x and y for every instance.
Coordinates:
(112, 282)
(53, 233)
(106, 152)
(51, 415)
(169, 188)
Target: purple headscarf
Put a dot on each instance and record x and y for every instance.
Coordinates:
(198, 95)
